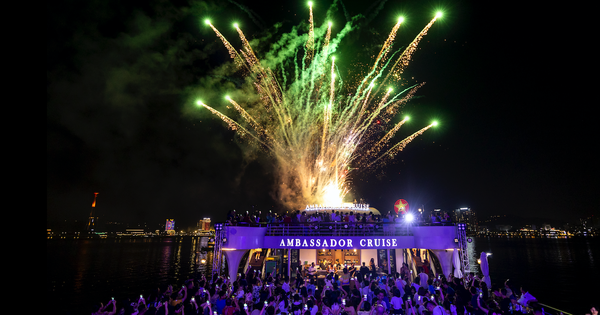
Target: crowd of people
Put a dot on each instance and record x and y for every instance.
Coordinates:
(351, 291)
(256, 217)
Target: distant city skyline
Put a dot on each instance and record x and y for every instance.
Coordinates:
(465, 215)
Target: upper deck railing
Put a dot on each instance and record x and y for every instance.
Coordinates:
(340, 228)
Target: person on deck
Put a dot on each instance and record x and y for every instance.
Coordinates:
(426, 266)
(526, 297)
(312, 270)
(434, 309)
(423, 277)
(100, 309)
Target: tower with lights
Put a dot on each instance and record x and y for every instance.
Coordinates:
(92, 220)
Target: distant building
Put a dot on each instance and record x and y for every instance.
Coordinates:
(204, 224)
(170, 227)
(466, 215)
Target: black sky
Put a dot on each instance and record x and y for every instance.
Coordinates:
(507, 85)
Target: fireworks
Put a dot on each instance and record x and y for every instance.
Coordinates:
(315, 127)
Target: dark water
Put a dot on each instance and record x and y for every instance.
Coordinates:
(83, 272)
(563, 273)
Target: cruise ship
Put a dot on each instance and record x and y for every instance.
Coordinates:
(283, 248)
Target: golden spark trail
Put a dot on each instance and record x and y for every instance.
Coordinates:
(406, 56)
(246, 116)
(367, 122)
(380, 61)
(332, 86)
(310, 43)
(251, 57)
(254, 64)
(233, 125)
(232, 52)
(387, 45)
(388, 136)
(411, 92)
(259, 129)
(401, 145)
(268, 87)
(327, 37)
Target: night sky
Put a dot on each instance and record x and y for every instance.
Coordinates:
(505, 82)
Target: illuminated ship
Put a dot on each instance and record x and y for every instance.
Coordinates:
(283, 248)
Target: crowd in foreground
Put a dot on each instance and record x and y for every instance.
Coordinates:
(348, 292)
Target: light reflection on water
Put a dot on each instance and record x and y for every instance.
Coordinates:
(82, 272)
(590, 254)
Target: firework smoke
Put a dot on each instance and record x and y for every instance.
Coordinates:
(316, 127)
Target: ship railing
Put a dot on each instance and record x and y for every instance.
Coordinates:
(340, 229)
(332, 229)
(534, 305)
(265, 224)
(549, 310)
